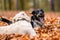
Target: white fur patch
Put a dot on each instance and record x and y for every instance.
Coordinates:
(21, 15)
(20, 27)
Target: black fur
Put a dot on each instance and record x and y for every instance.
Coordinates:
(6, 20)
(38, 15)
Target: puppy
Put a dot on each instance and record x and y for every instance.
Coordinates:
(37, 18)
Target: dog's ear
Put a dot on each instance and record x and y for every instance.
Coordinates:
(42, 10)
(33, 12)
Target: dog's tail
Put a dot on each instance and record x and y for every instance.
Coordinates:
(6, 20)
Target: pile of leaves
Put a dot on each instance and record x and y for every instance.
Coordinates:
(49, 31)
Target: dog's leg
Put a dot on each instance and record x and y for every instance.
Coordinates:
(32, 24)
(31, 32)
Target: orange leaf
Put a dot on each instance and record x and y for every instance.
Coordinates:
(52, 20)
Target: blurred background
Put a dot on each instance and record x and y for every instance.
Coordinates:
(9, 8)
(47, 5)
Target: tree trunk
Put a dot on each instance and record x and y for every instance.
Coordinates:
(58, 4)
(4, 4)
(9, 4)
(35, 3)
(16, 4)
(22, 4)
(51, 3)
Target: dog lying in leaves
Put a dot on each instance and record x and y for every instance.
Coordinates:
(37, 18)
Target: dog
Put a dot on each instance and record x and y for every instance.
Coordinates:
(22, 26)
(37, 18)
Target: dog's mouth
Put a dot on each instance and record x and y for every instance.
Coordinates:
(41, 19)
(41, 15)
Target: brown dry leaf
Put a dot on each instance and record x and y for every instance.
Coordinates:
(25, 37)
(52, 20)
(3, 24)
(13, 39)
(45, 35)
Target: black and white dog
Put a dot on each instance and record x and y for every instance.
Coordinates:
(37, 18)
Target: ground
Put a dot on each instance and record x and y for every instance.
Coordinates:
(50, 30)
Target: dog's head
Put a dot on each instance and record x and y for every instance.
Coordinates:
(21, 15)
(38, 13)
